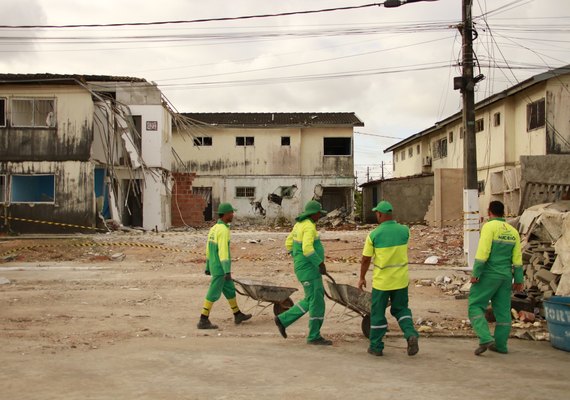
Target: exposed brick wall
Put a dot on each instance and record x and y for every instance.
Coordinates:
(187, 208)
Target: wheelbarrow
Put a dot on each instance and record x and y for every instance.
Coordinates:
(353, 299)
(266, 292)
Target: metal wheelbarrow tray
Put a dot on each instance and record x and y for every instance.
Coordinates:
(266, 292)
(352, 298)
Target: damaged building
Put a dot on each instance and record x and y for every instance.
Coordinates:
(268, 165)
(523, 152)
(82, 151)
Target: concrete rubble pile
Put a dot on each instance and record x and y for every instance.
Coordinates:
(545, 230)
(337, 217)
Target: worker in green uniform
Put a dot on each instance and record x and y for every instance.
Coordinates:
(304, 244)
(497, 261)
(388, 245)
(218, 265)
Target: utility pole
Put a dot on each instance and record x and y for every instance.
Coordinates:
(466, 84)
(367, 174)
(382, 165)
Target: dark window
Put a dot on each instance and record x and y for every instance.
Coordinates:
(479, 125)
(461, 133)
(285, 140)
(440, 149)
(2, 189)
(245, 191)
(418, 149)
(395, 157)
(245, 140)
(535, 115)
(33, 112)
(451, 137)
(497, 119)
(2, 112)
(338, 146)
(137, 121)
(403, 155)
(202, 141)
(410, 152)
(33, 188)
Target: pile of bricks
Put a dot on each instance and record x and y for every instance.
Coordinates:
(538, 258)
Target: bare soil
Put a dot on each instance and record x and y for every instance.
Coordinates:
(79, 321)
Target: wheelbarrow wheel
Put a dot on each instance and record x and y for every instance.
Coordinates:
(279, 308)
(365, 326)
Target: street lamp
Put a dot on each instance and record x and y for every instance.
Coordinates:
(466, 84)
(398, 3)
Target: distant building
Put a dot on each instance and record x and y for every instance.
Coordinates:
(268, 165)
(531, 118)
(80, 149)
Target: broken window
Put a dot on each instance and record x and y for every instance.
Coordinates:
(33, 188)
(535, 115)
(2, 112)
(479, 125)
(497, 119)
(2, 188)
(287, 192)
(451, 137)
(285, 140)
(439, 149)
(337, 146)
(245, 191)
(203, 141)
(245, 140)
(32, 113)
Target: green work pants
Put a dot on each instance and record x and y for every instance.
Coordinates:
(219, 285)
(498, 291)
(314, 303)
(399, 309)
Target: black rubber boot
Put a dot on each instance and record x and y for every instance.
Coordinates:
(205, 323)
(413, 346)
(239, 317)
(321, 342)
(375, 353)
(483, 348)
(280, 327)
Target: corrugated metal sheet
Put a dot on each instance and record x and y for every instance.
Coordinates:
(232, 119)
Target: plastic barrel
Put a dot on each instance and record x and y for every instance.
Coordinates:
(557, 310)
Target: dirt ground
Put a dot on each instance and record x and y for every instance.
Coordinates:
(77, 320)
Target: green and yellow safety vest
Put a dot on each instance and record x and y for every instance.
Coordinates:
(499, 252)
(308, 252)
(218, 258)
(388, 244)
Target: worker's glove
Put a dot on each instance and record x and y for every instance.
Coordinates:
(228, 276)
(322, 269)
(207, 272)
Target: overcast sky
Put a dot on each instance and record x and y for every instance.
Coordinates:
(393, 67)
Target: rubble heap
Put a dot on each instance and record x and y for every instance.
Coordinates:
(545, 230)
(336, 218)
(538, 259)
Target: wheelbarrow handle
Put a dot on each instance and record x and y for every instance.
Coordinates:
(330, 277)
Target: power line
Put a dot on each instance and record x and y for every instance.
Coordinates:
(378, 135)
(192, 21)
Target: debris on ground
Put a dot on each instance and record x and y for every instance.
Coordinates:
(453, 285)
(444, 244)
(336, 218)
